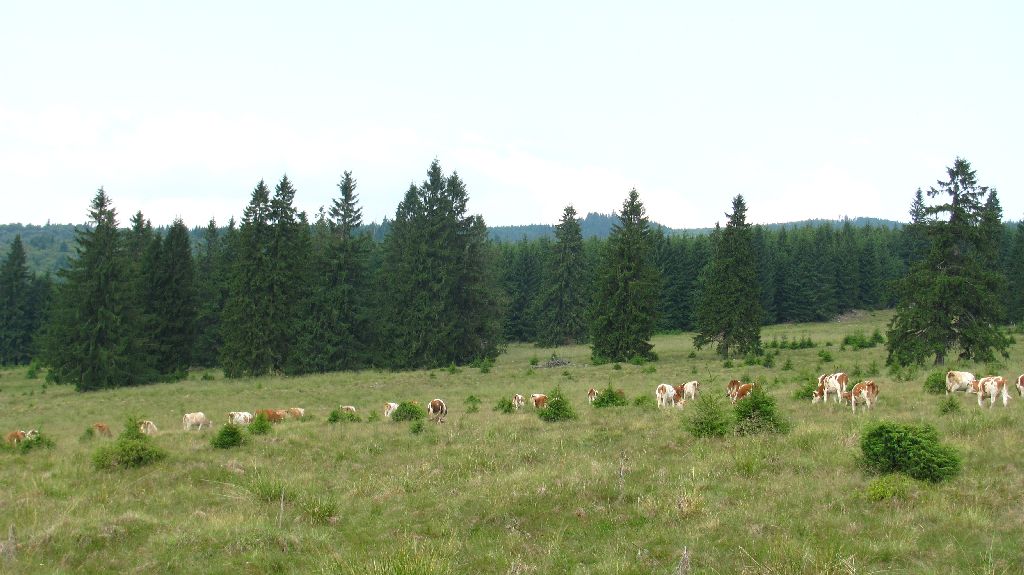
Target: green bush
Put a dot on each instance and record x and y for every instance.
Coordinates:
(935, 382)
(558, 408)
(650, 368)
(260, 425)
(788, 366)
(207, 376)
(857, 340)
(609, 397)
(417, 427)
(645, 401)
(228, 436)
(453, 369)
(408, 411)
(806, 390)
(131, 449)
(534, 361)
(757, 413)
(769, 359)
(824, 355)
(710, 417)
(39, 441)
(891, 486)
(33, 369)
(374, 416)
(911, 449)
(504, 405)
(949, 404)
(472, 404)
(339, 416)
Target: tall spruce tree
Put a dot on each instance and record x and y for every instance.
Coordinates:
(92, 336)
(246, 332)
(288, 286)
(562, 309)
(209, 290)
(175, 301)
(1015, 276)
(628, 289)
(949, 300)
(522, 263)
(17, 325)
(729, 307)
(439, 300)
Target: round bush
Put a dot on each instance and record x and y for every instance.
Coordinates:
(806, 390)
(558, 408)
(131, 449)
(757, 413)
(609, 397)
(339, 416)
(228, 436)
(949, 404)
(408, 411)
(504, 405)
(261, 425)
(710, 417)
(935, 382)
(416, 427)
(911, 449)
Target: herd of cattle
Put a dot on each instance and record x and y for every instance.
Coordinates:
(865, 392)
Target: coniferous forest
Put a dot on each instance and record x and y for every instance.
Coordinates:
(281, 292)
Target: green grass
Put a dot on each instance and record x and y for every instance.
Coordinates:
(616, 491)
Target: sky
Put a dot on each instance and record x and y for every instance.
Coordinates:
(807, 109)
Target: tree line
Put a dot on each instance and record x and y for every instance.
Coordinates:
(278, 293)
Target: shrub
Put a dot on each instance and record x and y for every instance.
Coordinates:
(261, 425)
(374, 416)
(751, 359)
(891, 486)
(88, 435)
(616, 366)
(692, 354)
(33, 369)
(484, 365)
(408, 411)
(825, 355)
(417, 427)
(727, 364)
(339, 416)
(710, 418)
(207, 376)
(911, 449)
(768, 360)
(651, 368)
(453, 369)
(131, 449)
(951, 404)
(877, 337)
(504, 405)
(757, 413)
(935, 382)
(472, 404)
(645, 401)
(857, 340)
(228, 436)
(558, 408)
(638, 360)
(806, 390)
(873, 369)
(609, 397)
(534, 361)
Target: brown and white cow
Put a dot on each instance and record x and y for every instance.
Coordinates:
(689, 390)
(240, 417)
(296, 412)
(730, 389)
(1020, 385)
(348, 409)
(272, 415)
(665, 394)
(539, 400)
(15, 437)
(865, 392)
(518, 402)
(742, 391)
(591, 395)
(959, 381)
(437, 410)
(389, 408)
(148, 427)
(197, 420)
(991, 387)
(101, 428)
(830, 382)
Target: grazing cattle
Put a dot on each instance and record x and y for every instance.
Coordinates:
(15, 437)
(865, 392)
(148, 427)
(990, 387)
(239, 417)
(665, 394)
(437, 410)
(730, 390)
(689, 390)
(742, 391)
(539, 400)
(389, 408)
(296, 412)
(1020, 385)
(348, 409)
(197, 420)
(830, 382)
(959, 381)
(102, 429)
(591, 395)
(272, 415)
(518, 402)
(32, 434)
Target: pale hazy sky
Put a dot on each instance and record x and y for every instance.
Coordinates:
(809, 109)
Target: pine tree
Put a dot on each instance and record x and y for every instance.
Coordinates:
(246, 332)
(92, 332)
(16, 313)
(522, 276)
(175, 301)
(628, 288)
(288, 259)
(949, 301)
(562, 303)
(209, 290)
(729, 309)
(1015, 276)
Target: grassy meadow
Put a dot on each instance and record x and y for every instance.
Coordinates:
(619, 490)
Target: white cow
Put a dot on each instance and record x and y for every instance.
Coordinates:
(690, 390)
(517, 402)
(148, 427)
(959, 381)
(197, 420)
(389, 408)
(830, 382)
(665, 394)
(240, 417)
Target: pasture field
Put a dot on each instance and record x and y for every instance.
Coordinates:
(619, 490)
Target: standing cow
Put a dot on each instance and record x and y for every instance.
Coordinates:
(959, 381)
(665, 394)
(197, 420)
(991, 387)
(437, 410)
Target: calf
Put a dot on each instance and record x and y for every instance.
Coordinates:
(591, 395)
(389, 408)
(830, 382)
(437, 410)
(990, 387)
(540, 401)
(15, 437)
(348, 409)
(742, 391)
(1020, 385)
(239, 417)
(866, 392)
(197, 419)
(689, 390)
(148, 427)
(102, 429)
(665, 394)
(959, 381)
(518, 402)
(272, 415)
(296, 412)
